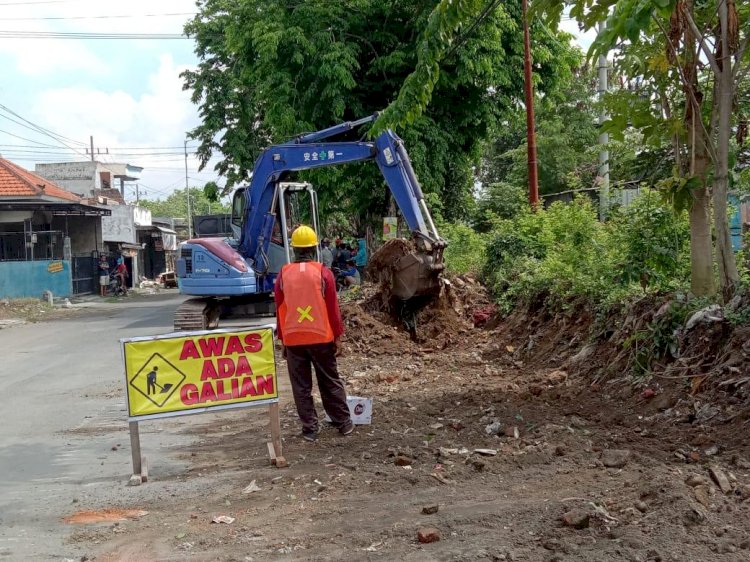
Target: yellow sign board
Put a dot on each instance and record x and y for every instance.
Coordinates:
(189, 373)
(55, 267)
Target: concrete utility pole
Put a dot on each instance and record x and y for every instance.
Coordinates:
(603, 137)
(187, 193)
(530, 130)
(137, 195)
(91, 138)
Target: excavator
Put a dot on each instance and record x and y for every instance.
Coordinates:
(235, 276)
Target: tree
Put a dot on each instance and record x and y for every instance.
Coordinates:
(705, 55)
(271, 69)
(175, 206)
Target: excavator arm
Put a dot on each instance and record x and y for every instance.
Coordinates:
(415, 274)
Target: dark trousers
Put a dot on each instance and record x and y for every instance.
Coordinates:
(300, 359)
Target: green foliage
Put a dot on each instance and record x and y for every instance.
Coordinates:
(270, 69)
(567, 138)
(175, 206)
(653, 244)
(498, 201)
(466, 249)
(211, 192)
(563, 256)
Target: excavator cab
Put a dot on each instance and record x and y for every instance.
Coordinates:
(294, 203)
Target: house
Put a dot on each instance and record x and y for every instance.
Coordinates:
(50, 238)
(89, 177)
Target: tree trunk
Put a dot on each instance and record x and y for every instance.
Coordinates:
(701, 244)
(728, 275)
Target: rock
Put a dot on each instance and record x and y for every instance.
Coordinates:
(446, 452)
(402, 460)
(641, 506)
(576, 518)
(694, 480)
(426, 535)
(512, 432)
(615, 458)
(223, 519)
(135, 480)
(430, 509)
(695, 514)
(703, 495)
(556, 377)
(250, 488)
(720, 478)
(712, 313)
(486, 452)
(494, 428)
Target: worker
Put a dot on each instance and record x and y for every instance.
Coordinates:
(326, 256)
(310, 328)
(360, 258)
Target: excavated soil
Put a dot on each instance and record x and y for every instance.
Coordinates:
(527, 453)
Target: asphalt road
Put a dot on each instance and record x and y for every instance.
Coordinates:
(64, 442)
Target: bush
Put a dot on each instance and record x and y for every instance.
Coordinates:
(466, 249)
(563, 255)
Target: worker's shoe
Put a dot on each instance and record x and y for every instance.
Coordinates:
(310, 435)
(347, 428)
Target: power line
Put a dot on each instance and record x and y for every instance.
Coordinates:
(47, 18)
(9, 34)
(480, 18)
(43, 130)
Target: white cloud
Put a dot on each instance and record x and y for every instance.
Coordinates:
(128, 125)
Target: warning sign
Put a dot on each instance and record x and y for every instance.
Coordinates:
(189, 373)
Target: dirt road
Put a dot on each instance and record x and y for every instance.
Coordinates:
(575, 472)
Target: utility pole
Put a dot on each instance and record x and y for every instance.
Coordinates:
(137, 195)
(529, 96)
(187, 193)
(91, 138)
(603, 136)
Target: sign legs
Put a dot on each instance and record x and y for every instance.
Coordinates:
(274, 447)
(140, 466)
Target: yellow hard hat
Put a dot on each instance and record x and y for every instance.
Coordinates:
(304, 237)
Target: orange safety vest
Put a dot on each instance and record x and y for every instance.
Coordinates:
(303, 313)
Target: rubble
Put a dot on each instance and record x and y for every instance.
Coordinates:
(428, 535)
(718, 476)
(615, 458)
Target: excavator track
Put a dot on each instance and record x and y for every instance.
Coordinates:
(196, 314)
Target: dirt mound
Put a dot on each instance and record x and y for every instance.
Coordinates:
(372, 322)
(388, 254)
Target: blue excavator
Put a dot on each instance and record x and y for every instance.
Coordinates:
(235, 276)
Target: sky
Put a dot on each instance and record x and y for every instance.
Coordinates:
(126, 93)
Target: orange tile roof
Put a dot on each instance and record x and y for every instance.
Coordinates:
(17, 182)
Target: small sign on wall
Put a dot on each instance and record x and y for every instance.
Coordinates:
(55, 267)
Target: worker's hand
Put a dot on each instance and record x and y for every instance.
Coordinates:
(339, 348)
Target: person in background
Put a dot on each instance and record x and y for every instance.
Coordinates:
(309, 326)
(121, 272)
(326, 255)
(350, 276)
(103, 275)
(344, 255)
(360, 258)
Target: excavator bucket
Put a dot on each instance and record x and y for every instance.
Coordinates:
(410, 270)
